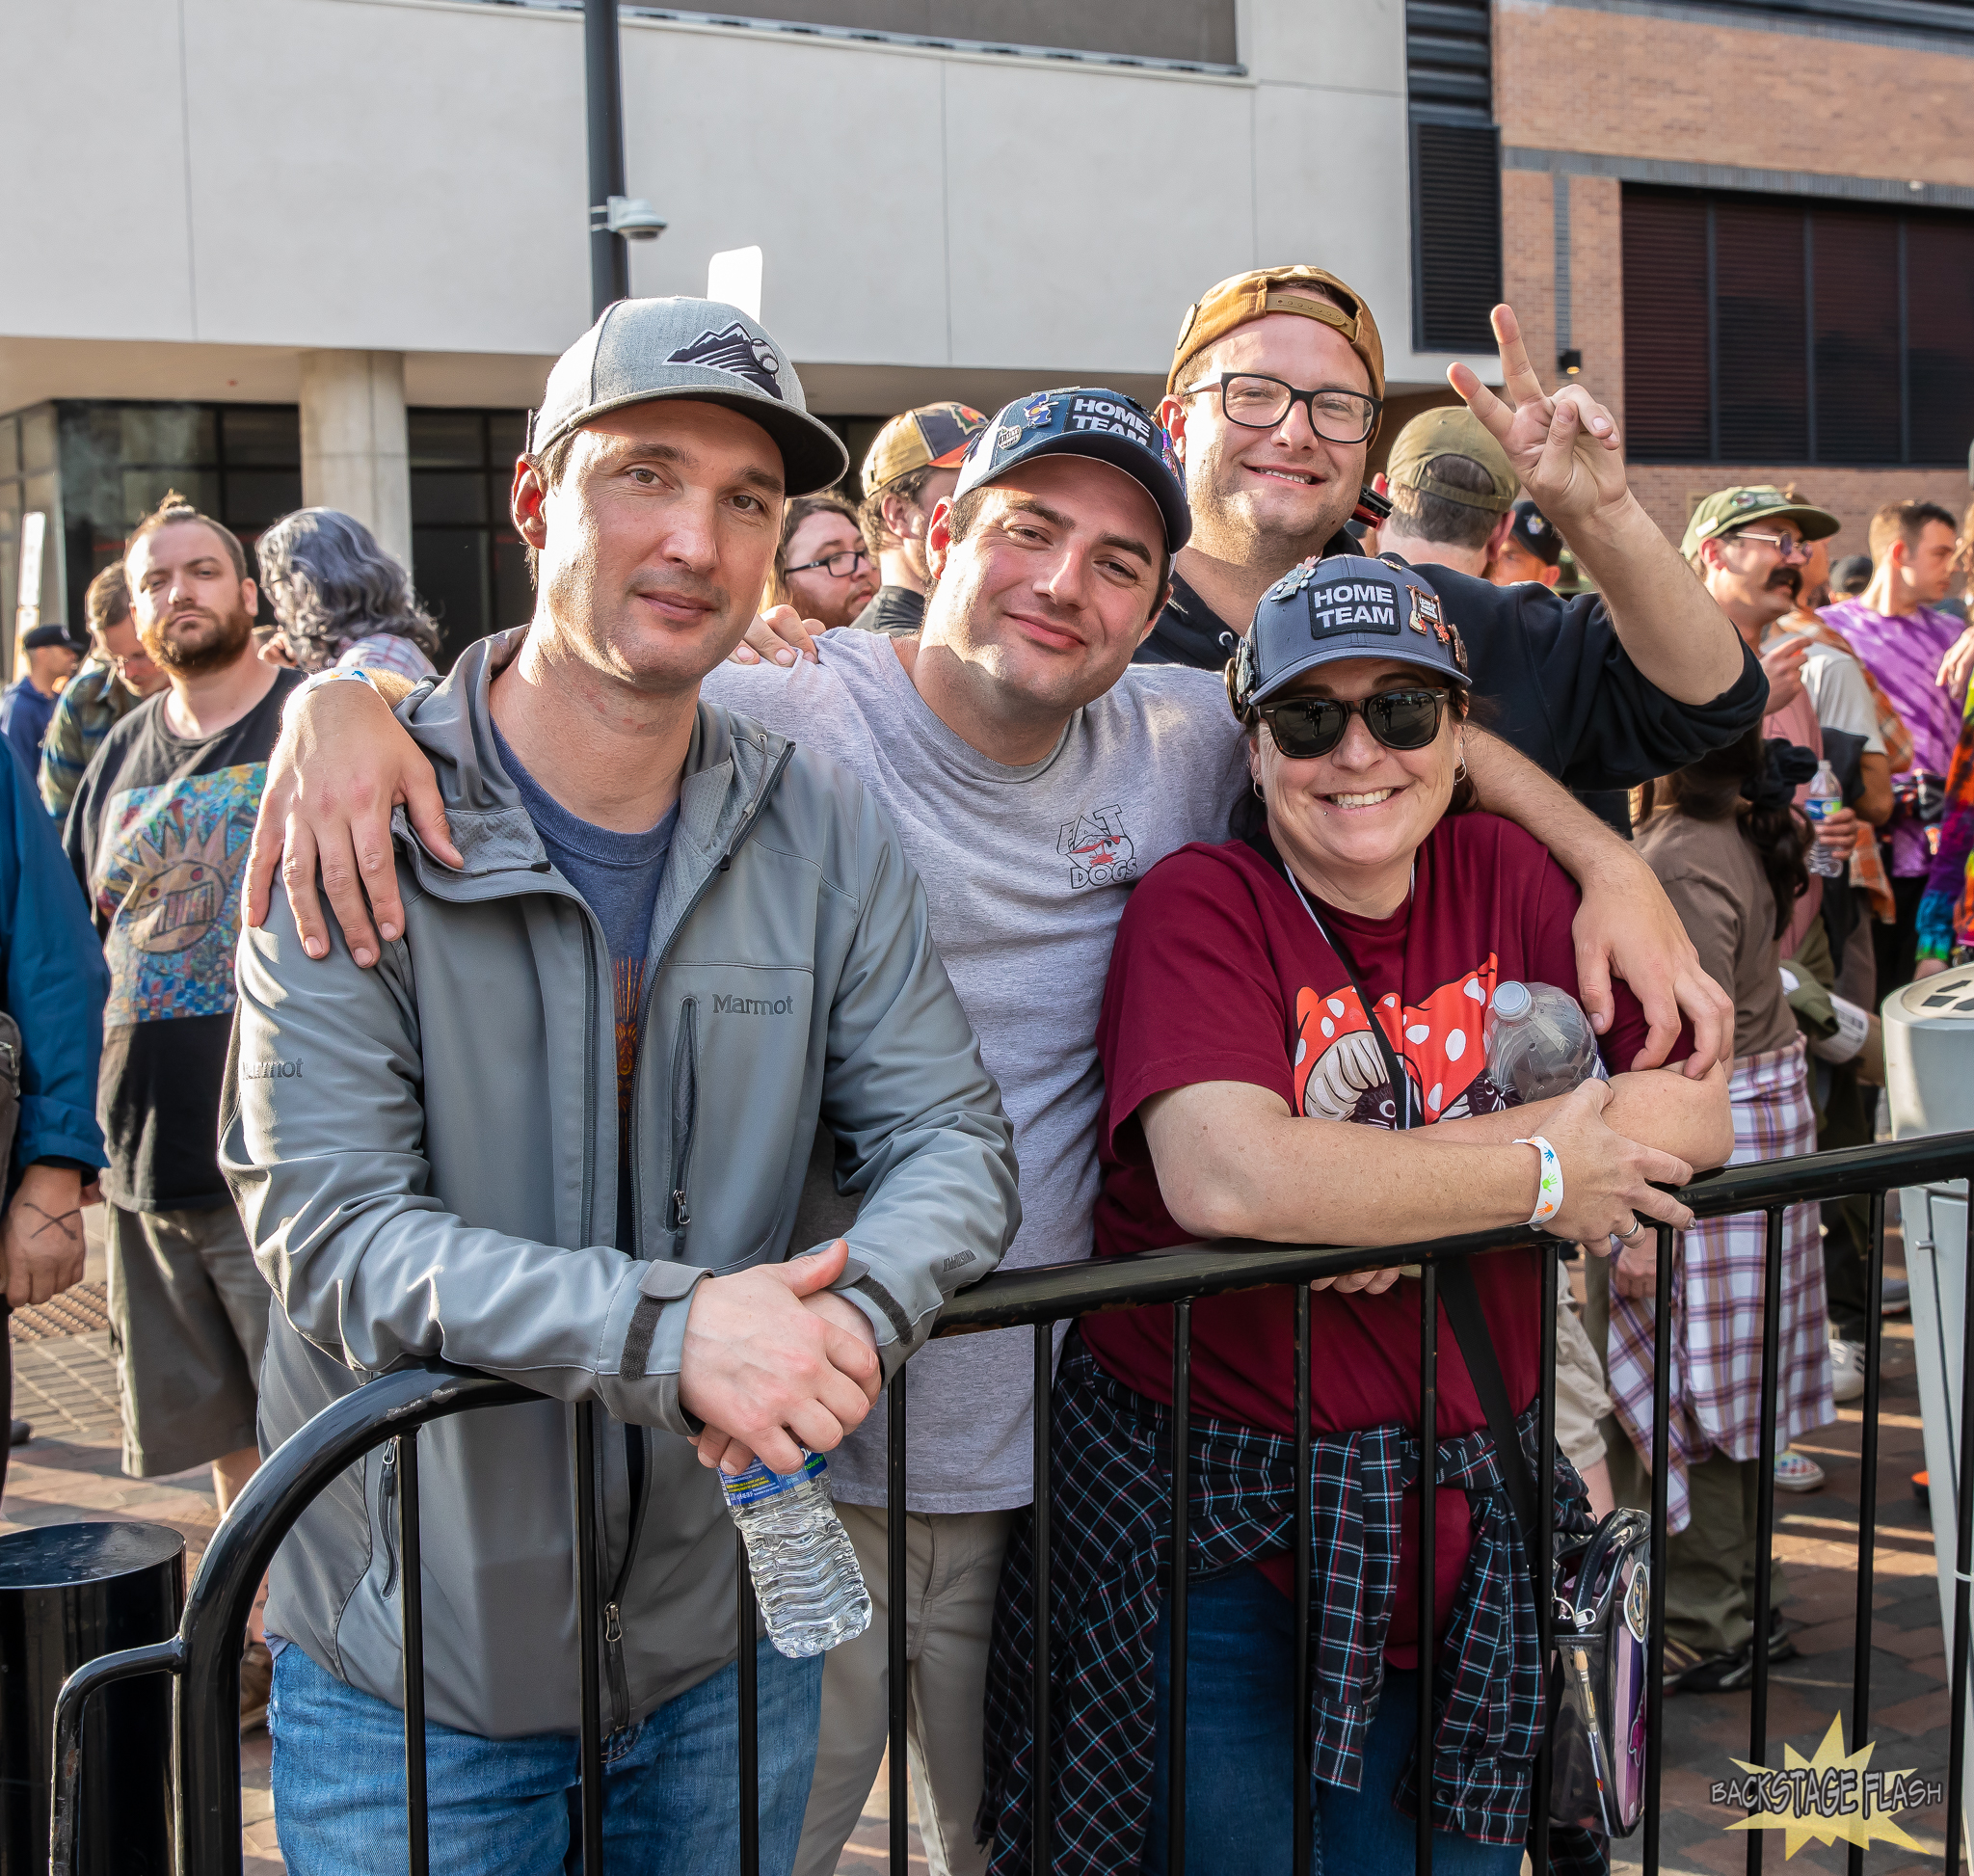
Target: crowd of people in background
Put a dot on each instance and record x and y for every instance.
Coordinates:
(1089, 830)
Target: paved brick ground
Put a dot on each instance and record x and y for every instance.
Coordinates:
(66, 1386)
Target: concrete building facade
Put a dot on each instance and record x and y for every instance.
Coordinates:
(325, 250)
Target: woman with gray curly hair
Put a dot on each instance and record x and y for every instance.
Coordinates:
(340, 599)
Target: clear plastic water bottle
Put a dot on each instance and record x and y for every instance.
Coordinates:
(1539, 1042)
(806, 1579)
(1825, 797)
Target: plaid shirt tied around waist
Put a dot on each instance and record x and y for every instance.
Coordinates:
(1111, 1494)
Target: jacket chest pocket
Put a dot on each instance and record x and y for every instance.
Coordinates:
(731, 1065)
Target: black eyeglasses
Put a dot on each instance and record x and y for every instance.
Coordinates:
(1304, 727)
(1259, 403)
(837, 566)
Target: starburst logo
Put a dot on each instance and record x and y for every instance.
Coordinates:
(178, 885)
(1828, 1798)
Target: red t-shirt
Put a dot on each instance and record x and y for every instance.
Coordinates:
(1220, 975)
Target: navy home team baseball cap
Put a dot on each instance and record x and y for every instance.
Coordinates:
(1323, 611)
(1084, 421)
(643, 350)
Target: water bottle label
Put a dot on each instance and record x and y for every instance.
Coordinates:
(757, 1483)
(1820, 807)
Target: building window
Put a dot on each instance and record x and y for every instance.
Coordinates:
(1774, 330)
(469, 566)
(1455, 156)
(239, 463)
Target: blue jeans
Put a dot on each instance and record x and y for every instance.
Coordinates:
(512, 1807)
(1240, 1754)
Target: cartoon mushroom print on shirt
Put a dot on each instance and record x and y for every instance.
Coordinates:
(1340, 1071)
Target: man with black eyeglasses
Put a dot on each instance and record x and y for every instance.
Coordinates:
(1275, 393)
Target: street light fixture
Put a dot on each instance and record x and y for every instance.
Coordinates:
(615, 218)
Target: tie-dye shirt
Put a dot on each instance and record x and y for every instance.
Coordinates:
(158, 834)
(618, 875)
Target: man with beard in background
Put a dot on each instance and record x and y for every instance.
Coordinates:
(158, 834)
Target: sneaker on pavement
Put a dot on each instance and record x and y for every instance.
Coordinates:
(1847, 1370)
(256, 1683)
(1797, 1472)
(1894, 1297)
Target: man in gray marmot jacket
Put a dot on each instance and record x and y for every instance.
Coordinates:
(459, 1154)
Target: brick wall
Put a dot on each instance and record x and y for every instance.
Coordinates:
(1528, 263)
(1629, 85)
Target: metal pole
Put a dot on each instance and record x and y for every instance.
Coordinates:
(609, 258)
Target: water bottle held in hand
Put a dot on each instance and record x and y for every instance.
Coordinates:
(806, 1578)
(1825, 797)
(1539, 1042)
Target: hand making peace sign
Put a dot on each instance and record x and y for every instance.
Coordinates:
(1565, 448)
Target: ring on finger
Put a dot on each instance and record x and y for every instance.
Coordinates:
(1638, 1225)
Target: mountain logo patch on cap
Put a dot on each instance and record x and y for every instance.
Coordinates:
(737, 351)
(1353, 605)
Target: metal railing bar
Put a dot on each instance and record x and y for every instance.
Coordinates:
(1867, 1493)
(1428, 1531)
(745, 1623)
(1546, 1552)
(1043, 1852)
(1182, 1541)
(1765, 1508)
(411, 1635)
(1306, 1568)
(239, 1557)
(1963, 1548)
(1056, 1291)
(1662, 1460)
(897, 1598)
(589, 1642)
(71, 1703)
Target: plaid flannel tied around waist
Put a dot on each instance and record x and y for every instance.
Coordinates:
(1111, 1497)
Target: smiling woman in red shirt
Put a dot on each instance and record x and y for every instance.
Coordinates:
(1248, 1095)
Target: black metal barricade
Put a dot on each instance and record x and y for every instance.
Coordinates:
(205, 1654)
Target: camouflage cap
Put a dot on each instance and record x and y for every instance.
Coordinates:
(934, 436)
(1728, 510)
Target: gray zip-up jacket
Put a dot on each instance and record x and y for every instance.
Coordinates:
(426, 1158)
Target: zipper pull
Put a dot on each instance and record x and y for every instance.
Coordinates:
(613, 1622)
(680, 1217)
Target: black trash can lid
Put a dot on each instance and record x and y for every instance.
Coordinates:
(58, 1554)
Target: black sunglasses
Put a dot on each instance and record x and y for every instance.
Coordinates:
(1304, 727)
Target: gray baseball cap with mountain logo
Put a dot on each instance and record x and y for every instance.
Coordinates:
(643, 350)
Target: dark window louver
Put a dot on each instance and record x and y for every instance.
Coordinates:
(1772, 332)
(1456, 162)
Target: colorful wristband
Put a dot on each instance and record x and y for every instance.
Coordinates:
(340, 673)
(1549, 1190)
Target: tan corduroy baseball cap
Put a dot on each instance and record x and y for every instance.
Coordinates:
(934, 436)
(1451, 431)
(1305, 290)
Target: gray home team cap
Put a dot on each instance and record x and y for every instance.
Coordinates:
(1346, 606)
(1084, 421)
(642, 350)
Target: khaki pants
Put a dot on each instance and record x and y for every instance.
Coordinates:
(952, 1567)
(1710, 1566)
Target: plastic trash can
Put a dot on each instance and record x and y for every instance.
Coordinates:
(1929, 1032)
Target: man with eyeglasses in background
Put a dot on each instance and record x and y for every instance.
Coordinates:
(1275, 393)
(822, 567)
